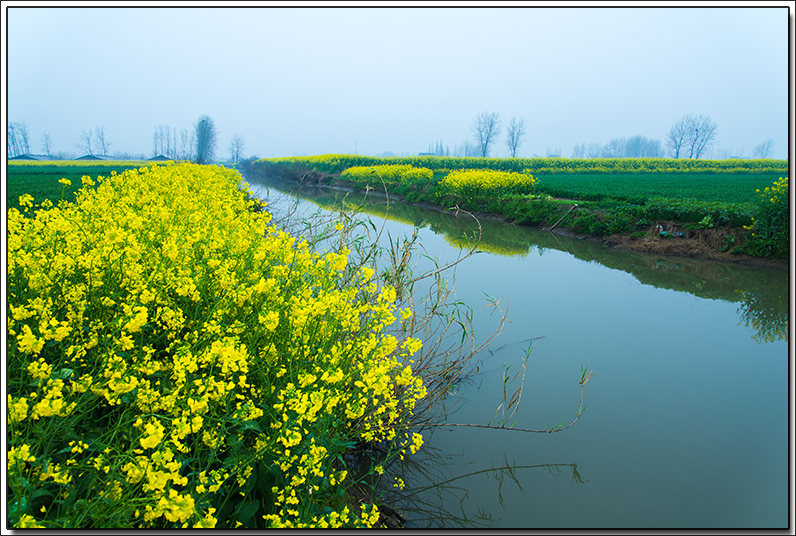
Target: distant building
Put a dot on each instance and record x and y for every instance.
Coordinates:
(95, 157)
(426, 154)
(159, 158)
(31, 157)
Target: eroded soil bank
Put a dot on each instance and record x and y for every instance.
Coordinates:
(701, 244)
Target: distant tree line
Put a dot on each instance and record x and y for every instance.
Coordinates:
(466, 148)
(101, 144)
(485, 130)
(198, 145)
(89, 142)
(633, 147)
(438, 149)
(764, 149)
(167, 142)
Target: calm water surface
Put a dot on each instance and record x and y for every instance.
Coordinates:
(687, 415)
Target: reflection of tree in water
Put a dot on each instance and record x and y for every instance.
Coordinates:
(764, 313)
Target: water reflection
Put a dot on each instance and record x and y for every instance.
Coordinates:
(433, 483)
(762, 294)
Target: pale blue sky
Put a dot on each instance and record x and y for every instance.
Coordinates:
(338, 80)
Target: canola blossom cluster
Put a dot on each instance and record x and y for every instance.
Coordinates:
(388, 174)
(771, 225)
(473, 183)
(175, 360)
(777, 194)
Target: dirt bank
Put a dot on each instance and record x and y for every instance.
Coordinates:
(681, 242)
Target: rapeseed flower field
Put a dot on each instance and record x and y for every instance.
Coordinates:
(175, 360)
(387, 174)
(337, 163)
(473, 183)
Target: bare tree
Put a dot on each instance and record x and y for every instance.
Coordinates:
(46, 143)
(167, 141)
(206, 140)
(25, 137)
(236, 148)
(486, 129)
(704, 134)
(677, 136)
(104, 145)
(764, 149)
(18, 139)
(514, 135)
(160, 141)
(186, 145)
(84, 143)
(173, 144)
(155, 143)
(693, 133)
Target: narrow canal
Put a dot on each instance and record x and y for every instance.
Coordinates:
(686, 424)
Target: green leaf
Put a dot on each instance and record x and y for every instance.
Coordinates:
(63, 374)
(245, 512)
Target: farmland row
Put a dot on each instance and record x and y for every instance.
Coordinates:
(337, 163)
(607, 203)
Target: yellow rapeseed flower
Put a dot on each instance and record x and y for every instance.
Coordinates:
(154, 434)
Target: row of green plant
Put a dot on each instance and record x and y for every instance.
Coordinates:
(337, 163)
(638, 188)
(174, 367)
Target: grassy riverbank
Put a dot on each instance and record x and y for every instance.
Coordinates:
(175, 367)
(727, 207)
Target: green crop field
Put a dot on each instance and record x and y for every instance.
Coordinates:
(639, 187)
(629, 179)
(40, 179)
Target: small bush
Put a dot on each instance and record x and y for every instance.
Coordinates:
(770, 234)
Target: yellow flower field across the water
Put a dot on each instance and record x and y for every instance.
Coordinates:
(389, 174)
(480, 182)
(174, 360)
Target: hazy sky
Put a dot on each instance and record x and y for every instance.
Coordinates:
(314, 80)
